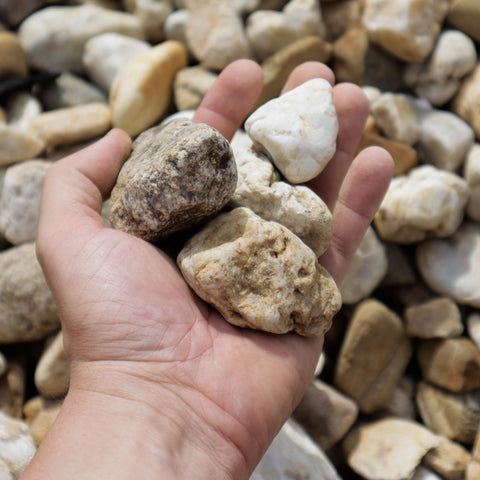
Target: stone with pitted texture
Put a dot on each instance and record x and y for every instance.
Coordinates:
(259, 275)
(178, 175)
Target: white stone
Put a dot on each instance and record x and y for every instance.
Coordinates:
(368, 267)
(298, 130)
(444, 138)
(473, 327)
(396, 116)
(471, 172)
(269, 31)
(21, 109)
(427, 202)
(452, 266)
(53, 38)
(175, 26)
(293, 454)
(422, 473)
(104, 55)
(372, 93)
(20, 200)
(438, 78)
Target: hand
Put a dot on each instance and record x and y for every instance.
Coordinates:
(160, 383)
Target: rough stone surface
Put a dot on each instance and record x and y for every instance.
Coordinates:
(20, 200)
(436, 318)
(259, 275)
(405, 28)
(143, 88)
(373, 356)
(388, 449)
(105, 54)
(27, 309)
(178, 175)
(269, 31)
(452, 266)
(190, 86)
(16, 146)
(298, 130)
(13, 62)
(54, 38)
(368, 267)
(425, 203)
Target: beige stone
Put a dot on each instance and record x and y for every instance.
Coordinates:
(402, 403)
(338, 17)
(437, 318)
(405, 28)
(190, 86)
(449, 459)
(390, 448)
(453, 363)
(453, 415)
(259, 275)
(22, 107)
(175, 26)
(465, 15)
(373, 356)
(16, 146)
(13, 387)
(473, 468)
(13, 62)
(278, 66)
(152, 14)
(473, 327)
(40, 413)
(143, 89)
(471, 173)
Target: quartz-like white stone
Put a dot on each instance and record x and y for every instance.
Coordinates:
(21, 108)
(298, 130)
(175, 25)
(428, 202)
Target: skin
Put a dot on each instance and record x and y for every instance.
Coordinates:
(161, 386)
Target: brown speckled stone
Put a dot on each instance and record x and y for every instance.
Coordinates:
(178, 175)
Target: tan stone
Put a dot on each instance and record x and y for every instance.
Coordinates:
(338, 17)
(452, 363)
(190, 86)
(449, 459)
(373, 356)
(13, 61)
(404, 156)
(278, 67)
(473, 468)
(390, 449)
(453, 415)
(12, 388)
(325, 413)
(402, 404)
(465, 15)
(439, 317)
(65, 126)
(142, 91)
(259, 275)
(40, 413)
(16, 146)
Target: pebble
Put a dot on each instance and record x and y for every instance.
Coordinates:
(436, 318)
(473, 328)
(105, 54)
(402, 403)
(13, 62)
(390, 448)
(175, 26)
(452, 266)
(453, 415)
(368, 267)
(473, 468)
(13, 386)
(426, 202)
(16, 445)
(325, 413)
(65, 126)
(438, 78)
(278, 66)
(190, 86)
(20, 200)
(298, 130)
(142, 91)
(16, 146)
(465, 15)
(195, 167)
(52, 374)
(293, 454)
(152, 14)
(396, 117)
(53, 38)
(405, 28)
(40, 413)
(22, 107)
(215, 33)
(69, 90)
(268, 31)
(27, 309)
(422, 473)
(3, 364)
(466, 104)
(296, 207)
(452, 363)
(373, 356)
(259, 275)
(338, 17)
(444, 138)
(471, 173)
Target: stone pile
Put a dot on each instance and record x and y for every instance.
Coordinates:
(397, 395)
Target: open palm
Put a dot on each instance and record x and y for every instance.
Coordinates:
(127, 313)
